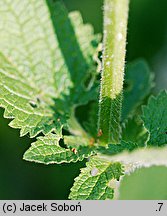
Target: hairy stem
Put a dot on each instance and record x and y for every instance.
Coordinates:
(114, 45)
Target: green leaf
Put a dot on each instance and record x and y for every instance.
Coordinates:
(155, 119)
(134, 131)
(39, 73)
(78, 45)
(96, 180)
(27, 38)
(25, 103)
(113, 149)
(47, 150)
(138, 82)
(110, 103)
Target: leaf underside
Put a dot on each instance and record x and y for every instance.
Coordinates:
(21, 102)
(47, 150)
(36, 79)
(96, 180)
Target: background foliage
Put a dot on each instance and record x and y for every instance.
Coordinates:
(147, 37)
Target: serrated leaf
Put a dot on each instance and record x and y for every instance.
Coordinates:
(155, 119)
(78, 45)
(113, 149)
(40, 65)
(134, 131)
(23, 102)
(94, 181)
(28, 39)
(47, 150)
(138, 82)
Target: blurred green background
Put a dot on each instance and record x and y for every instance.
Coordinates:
(147, 38)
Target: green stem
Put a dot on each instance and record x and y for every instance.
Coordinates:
(74, 126)
(114, 47)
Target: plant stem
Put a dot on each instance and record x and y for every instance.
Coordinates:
(114, 48)
(74, 126)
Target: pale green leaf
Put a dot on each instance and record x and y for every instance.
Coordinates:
(96, 181)
(27, 37)
(40, 69)
(47, 150)
(138, 84)
(22, 101)
(155, 119)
